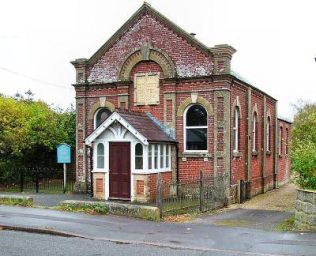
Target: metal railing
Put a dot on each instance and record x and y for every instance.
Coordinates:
(39, 179)
(204, 193)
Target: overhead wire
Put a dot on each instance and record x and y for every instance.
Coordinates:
(34, 79)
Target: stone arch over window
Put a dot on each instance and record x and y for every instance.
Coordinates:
(195, 128)
(236, 103)
(195, 100)
(146, 52)
(100, 104)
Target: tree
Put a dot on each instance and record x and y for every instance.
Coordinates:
(303, 145)
(30, 131)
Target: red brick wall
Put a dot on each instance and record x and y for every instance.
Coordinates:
(256, 160)
(270, 157)
(146, 67)
(152, 183)
(238, 171)
(189, 60)
(284, 163)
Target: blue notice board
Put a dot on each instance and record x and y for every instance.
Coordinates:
(63, 154)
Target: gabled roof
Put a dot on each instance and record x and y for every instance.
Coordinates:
(139, 124)
(146, 8)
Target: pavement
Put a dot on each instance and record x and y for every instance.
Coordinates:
(210, 238)
(50, 200)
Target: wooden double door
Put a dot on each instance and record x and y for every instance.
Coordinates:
(120, 170)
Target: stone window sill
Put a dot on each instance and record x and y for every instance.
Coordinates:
(254, 153)
(237, 154)
(195, 155)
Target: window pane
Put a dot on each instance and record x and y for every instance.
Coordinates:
(196, 139)
(100, 156)
(139, 149)
(162, 156)
(156, 156)
(167, 156)
(138, 156)
(138, 162)
(150, 157)
(102, 115)
(196, 116)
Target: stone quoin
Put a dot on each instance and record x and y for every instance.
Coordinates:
(153, 99)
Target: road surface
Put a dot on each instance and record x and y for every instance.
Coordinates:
(194, 238)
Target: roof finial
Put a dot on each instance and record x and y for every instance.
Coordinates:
(147, 3)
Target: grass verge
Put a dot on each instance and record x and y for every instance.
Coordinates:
(85, 208)
(16, 202)
(287, 225)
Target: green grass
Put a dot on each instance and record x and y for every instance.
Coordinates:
(85, 208)
(287, 225)
(16, 202)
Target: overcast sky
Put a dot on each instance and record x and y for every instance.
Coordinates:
(275, 41)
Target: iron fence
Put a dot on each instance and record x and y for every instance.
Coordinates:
(39, 180)
(202, 194)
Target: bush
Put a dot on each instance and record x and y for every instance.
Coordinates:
(304, 164)
(303, 146)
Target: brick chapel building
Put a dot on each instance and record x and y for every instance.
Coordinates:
(153, 99)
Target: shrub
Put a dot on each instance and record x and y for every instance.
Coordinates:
(303, 145)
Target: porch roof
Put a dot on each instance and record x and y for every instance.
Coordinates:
(138, 123)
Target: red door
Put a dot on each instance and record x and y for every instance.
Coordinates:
(120, 170)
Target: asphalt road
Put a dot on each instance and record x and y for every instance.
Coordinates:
(208, 239)
(14, 243)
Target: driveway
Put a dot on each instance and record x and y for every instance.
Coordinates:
(264, 211)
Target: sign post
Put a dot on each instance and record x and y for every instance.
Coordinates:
(64, 157)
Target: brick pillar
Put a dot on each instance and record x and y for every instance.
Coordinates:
(81, 162)
(222, 137)
(264, 139)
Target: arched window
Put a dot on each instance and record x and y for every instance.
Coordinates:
(138, 156)
(254, 132)
(281, 141)
(100, 155)
(236, 129)
(100, 116)
(268, 147)
(196, 128)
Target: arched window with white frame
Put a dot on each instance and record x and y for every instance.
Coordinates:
(100, 116)
(281, 141)
(100, 156)
(139, 156)
(268, 134)
(254, 131)
(195, 128)
(236, 129)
